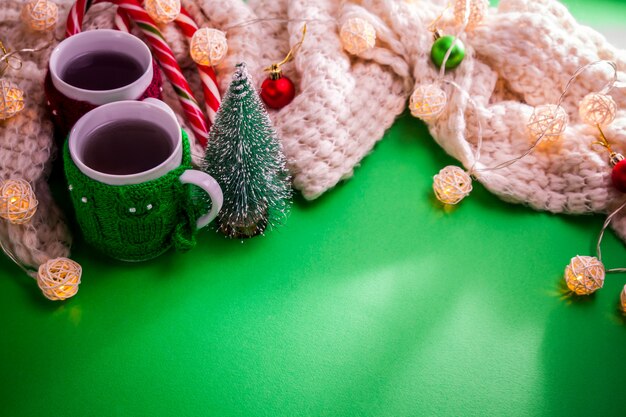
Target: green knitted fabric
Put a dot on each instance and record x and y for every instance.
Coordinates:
(135, 222)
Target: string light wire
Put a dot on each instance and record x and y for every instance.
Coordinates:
(601, 236)
(275, 68)
(607, 88)
(433, 28)
(11, 59)
(31, 272)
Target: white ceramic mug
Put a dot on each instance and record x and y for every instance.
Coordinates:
(97, 41)
(156, 112)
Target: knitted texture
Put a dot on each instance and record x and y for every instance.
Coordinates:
(65, 111)
(26, 149)
(343, 105)
(522, 56)
(134, 222)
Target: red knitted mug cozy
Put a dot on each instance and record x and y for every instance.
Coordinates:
(66, 111)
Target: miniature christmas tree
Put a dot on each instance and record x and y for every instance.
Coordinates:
(245, 157)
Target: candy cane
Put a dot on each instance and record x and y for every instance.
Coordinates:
(160, 49)
(122, 21)
(207, 75)
(209, 81)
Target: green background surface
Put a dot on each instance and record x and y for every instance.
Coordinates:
(371, 301)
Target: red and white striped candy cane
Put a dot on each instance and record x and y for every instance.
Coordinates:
(207, 75)
(122, 21)
(209, 81)
(160, 49)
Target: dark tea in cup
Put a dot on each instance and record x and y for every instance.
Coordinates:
(126, 147)
(102, 70)
(101, 66)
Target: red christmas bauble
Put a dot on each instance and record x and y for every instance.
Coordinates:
(618, 176)
(277, 93)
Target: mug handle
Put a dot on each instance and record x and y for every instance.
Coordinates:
(197, 178)
(211, 187)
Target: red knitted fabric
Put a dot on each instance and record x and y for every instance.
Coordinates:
(66, 111)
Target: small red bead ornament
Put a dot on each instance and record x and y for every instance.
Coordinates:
(278, 90)
(618, 173)
(617, 162)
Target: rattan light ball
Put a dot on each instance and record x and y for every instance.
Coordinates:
(59, 278)
(452, 184)
(18, 203)
(163, 11)
(548, 122)
(208, 46)
(40, 15)
(584, 275)
(622, 299)
(477, 11)
(428, 101)
(597, 109)
(357, 35)
(11, 99)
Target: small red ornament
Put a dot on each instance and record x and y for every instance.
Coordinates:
(618, 174)
(277, 90)
(616, 160)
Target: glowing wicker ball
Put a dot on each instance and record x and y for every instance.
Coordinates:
(357, 35)
(622, 299)
(428, 101)
(18, 203)
(163, 11)
(584, 275)
(11, 99)
(548, 121)
(59, 278)
(597, 109)
(40, 15)
(208, 46)
(477, 11)
(452, 185)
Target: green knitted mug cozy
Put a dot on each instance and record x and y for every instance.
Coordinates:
(135, 222)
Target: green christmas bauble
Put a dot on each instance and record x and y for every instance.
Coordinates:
(440, 48)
